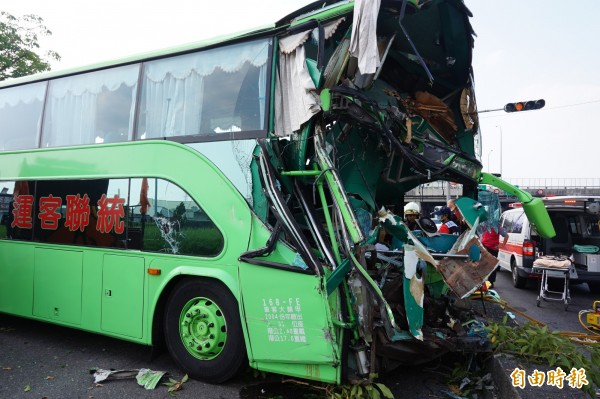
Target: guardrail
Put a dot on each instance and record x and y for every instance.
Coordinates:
(438, 191)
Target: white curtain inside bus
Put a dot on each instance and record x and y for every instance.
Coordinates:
(90, 108)
(21, 116)
(209, 92)
(296, 98)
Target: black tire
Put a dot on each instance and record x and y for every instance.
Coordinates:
(518, 281)
(204, 316)
(594, 287)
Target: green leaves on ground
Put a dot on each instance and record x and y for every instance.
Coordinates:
(374, 390)
(539, 345)
(175, 385)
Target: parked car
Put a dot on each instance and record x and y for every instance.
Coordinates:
(576, 221)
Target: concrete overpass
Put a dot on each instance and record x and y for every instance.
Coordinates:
(432, 194)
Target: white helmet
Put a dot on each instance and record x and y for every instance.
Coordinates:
(412, 208)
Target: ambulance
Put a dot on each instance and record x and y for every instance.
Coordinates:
(576, 220)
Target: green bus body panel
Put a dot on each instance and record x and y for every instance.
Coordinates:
(287, 316)
(311, 371)
(26, 265)
(57, 279)
(162, 159)
(123, 295)
(16, 282)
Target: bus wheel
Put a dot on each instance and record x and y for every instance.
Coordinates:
(203, 330)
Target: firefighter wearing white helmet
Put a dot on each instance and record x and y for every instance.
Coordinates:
(411, 214)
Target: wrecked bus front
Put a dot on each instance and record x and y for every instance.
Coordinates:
(371, 100)
(243, 202)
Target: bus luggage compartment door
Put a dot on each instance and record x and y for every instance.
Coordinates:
(123, 283)
(287, 316)
(57, 283)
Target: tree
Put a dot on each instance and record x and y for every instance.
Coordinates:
(179, 214)
(19, 46)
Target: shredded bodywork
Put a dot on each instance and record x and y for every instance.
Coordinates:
(369, 106)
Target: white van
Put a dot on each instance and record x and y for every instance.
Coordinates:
(576, 221)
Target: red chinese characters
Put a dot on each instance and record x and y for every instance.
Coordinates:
(110, 213)
(49, 213)
(23, 208)
(78, 212)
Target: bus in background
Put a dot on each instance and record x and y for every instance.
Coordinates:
(225, 197)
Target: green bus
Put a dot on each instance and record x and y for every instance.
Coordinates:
(230, 198)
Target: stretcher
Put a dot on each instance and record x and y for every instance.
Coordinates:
(557, 267)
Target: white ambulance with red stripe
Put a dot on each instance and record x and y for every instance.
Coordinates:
(576, 221)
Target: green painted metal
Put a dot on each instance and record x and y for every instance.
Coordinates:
(91, 300)
(80, 292)
(61, 300)
(16, 284)
(202, 328)
(289, 323)
(362, 176)
(314, 72)
(259, 201)
(301, 173)
(123, 278)
(338, 193)
(471, 210)
(326, 13)
(325, 206)
(534, 207)
(292, 319)
(325, 99)
(337, 276)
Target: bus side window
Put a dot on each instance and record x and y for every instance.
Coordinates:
(6, 208)
(172, 223)
(137, 213)
(204, 93)
(88, 212)
(88, 108)
(247, 105)
(21, 116)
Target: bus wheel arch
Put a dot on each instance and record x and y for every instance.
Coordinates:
(202, 329)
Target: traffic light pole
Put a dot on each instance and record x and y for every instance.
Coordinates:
(500, 150)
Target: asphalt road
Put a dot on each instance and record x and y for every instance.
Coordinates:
(551, 313)
(39, 360)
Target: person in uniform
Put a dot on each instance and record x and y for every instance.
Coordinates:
(448, 225)
(412, 211)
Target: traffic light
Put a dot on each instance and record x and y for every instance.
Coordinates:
(524, 106)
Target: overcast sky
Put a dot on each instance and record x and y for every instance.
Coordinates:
(524, 50)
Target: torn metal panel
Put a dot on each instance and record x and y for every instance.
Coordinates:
(363, 306)
(395, 97)
(466, 276)
(336, 187)
(413, 289)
